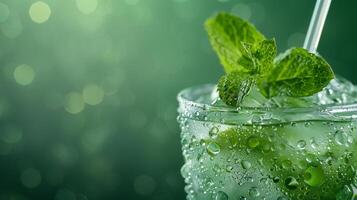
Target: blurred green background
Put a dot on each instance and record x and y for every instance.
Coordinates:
(88, 88)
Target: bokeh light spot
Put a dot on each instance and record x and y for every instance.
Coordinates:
(74, 103)
(87, 6)
(144, 185)
(64, 155)
(4, 12)
(24, 74)
(31, 178)
(93, 94)
(40, 12)
(11, 135)
(94, 140)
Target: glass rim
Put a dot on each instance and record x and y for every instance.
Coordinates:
(191, 108)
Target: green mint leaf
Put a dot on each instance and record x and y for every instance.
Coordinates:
(227, 33)
(233, 87)
(297, 73)
(265, 53)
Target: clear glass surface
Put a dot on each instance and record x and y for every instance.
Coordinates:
(266, 153)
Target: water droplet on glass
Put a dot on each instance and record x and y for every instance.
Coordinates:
(313, 143)
(276, 179)
(329, 160)
(286, 164)
(253, 142)
(350, 139)
(301, 144)
(217, 169)
(229, 168)
(266, 148)
(314, 176)
(254, 192)
(213, 148)
(291, 183)
(202, 142)
(213, 132)
(246, 164)
(310, 158)
(307, 124)
(221, 196)
(249, 179)
(264, 180)
(341, 137)
(185, 171)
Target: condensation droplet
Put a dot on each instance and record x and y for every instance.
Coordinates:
(185, 170)
(291, 183)
(341, 138)
(301, 144)
(253, 142)
(264, 180)
(276, 179)
(286, 164)
(213, 132)
(213, 148)
(229, 168)
(314, 176)
(254, 192)
(313, 143)
(246, 164)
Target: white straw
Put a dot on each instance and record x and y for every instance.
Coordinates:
(316, 25)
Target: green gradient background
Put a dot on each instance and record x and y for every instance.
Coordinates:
(141, 53)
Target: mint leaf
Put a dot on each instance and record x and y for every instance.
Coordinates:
(265, 53)
(234, 87)
(297, 73)
(227, 33)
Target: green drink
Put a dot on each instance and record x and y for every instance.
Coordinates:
(275, 127)
(266, 152)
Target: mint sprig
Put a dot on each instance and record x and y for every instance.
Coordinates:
(249, 59)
